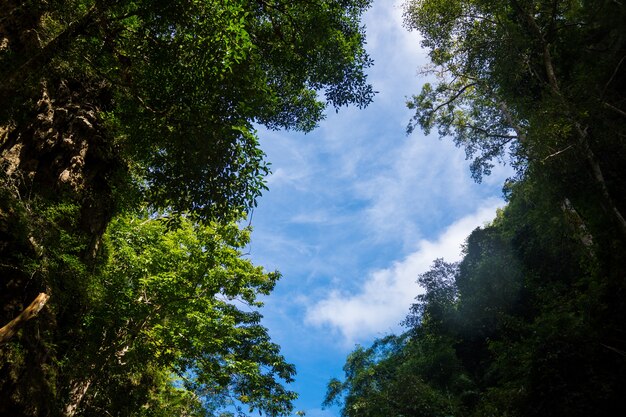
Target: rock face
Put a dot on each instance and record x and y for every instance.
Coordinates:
(53, 145)
(58, 167)
(60, 177)
(64, 151)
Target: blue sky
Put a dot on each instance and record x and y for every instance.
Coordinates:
(355, 211)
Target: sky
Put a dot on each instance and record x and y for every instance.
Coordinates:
(355, 211)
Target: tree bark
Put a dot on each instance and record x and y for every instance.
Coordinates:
(77, 392)
(9, 330)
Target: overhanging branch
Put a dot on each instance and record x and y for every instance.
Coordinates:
(30, 312)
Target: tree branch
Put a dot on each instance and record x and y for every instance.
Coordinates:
(557, 153)
(615, 109)
(545, 46)
(457, 95)
(580, 131)
(509, 118)
(488, 134)
(619, 64)
(30, 312)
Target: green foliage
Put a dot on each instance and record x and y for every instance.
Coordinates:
(44, 254)
(182, 83)
(164, 322)
(396, 376)
(529, 312)
(435, 306)
(518, 328)
(169, 301)
(107, 106)
(541, 81)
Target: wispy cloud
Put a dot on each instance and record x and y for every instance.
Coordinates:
(319, 216)
(282, 176)
(422, 175)
(387, 294)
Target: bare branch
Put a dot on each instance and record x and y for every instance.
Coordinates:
(556, 153)
(30, 312)
(615, 109)
(619, 64)
(614, 349)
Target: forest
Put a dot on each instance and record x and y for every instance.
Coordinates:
(130, 162)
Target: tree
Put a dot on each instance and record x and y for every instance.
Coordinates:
(435, 307)
(539, 80)
(390, 378)
(416, 373)
(109, 106)
(525, 325)
(173, 297)
(169, 91)
(185, 300)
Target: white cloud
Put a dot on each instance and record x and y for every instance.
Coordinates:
(385, 297)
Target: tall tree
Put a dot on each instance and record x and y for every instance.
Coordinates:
(182, 299)
(533, 316)
(390, 378)
(111, 105)
(172, 297)
(170, 90)
(540, 80)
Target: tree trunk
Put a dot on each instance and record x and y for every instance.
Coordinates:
(77, 393)
(581, 133)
